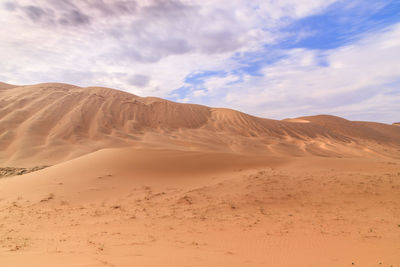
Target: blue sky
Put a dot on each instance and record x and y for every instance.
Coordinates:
(274, 59)
(342, 23)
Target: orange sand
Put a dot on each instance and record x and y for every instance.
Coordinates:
(148, 182)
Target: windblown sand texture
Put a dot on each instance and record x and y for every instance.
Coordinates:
(147, 182)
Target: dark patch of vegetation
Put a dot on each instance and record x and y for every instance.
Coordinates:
(13, 171)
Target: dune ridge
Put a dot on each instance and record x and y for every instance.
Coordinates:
(146, 181)
(53, 122)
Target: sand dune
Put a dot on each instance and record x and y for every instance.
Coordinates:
(116, 207)
(149, 182)
(6, 86)
(46, 124)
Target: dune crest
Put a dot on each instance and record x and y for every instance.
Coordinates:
(297, 120)
(49, 123)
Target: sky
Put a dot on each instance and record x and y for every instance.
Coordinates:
(269, 58)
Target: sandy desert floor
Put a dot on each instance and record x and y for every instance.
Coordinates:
(130, 207)
(142, 181)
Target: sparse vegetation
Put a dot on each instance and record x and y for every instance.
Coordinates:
(48, 198)
(13, 171)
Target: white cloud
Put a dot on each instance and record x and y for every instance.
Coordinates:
(150, 47)
(108, 42)
(218, 83)
(198, 93)
(355, 80)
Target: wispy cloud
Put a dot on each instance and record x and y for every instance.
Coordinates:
(271, 58)
(359, 81)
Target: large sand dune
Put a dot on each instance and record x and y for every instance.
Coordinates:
(49, 123)
(148, 182)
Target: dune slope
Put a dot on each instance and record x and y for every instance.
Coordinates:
(49, 123)
(149, 182)
(150, 207)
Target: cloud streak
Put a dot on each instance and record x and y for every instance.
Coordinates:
(351, 81)
(253, 55)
